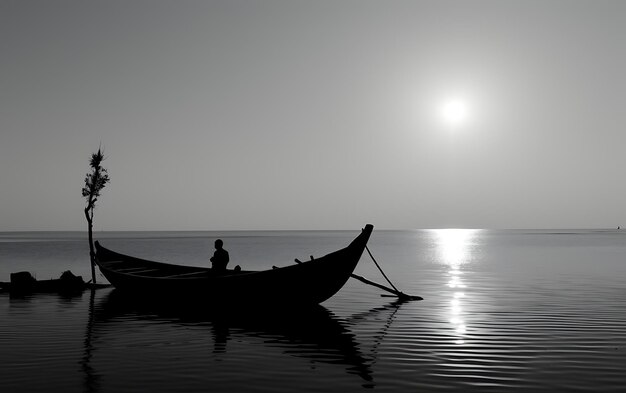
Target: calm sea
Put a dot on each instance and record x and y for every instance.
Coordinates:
(537, 311)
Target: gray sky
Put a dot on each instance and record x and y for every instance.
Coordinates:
(313, 115)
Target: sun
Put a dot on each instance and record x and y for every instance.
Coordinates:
(454, 112)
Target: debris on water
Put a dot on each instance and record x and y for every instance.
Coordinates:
(25, 282)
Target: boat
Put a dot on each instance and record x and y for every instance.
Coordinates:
(305, 283)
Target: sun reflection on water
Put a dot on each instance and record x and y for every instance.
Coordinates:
(454, 250)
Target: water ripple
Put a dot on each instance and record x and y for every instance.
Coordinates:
(497, 316)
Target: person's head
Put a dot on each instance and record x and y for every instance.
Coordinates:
(219, 244)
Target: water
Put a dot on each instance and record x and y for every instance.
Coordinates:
(503, 311)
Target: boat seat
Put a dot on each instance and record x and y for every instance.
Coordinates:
(112, 262)
(129, 269)
(136, 270)
(186, 274)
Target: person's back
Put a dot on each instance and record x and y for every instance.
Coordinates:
(220, 258)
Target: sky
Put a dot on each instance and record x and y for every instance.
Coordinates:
(226, 115)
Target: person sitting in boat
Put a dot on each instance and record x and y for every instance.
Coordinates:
(220, 258)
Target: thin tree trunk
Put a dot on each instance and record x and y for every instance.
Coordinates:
(92, 252)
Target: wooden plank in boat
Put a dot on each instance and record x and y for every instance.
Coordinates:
(113, 262)
(185, 274)
(137, 270)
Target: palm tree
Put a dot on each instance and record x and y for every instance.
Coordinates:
(95, 181)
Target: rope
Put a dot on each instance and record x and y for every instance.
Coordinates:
(381, 270)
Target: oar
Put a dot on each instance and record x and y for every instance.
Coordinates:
(401, 295)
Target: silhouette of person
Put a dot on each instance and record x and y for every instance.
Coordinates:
(220, 258)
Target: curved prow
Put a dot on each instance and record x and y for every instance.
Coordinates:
(361, 240)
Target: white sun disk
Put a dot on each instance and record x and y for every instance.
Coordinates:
(454, 112)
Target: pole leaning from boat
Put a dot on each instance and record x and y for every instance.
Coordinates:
(395, 291)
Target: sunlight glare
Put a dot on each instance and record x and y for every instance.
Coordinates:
(454, 112)
(454, 245)
(454, 248)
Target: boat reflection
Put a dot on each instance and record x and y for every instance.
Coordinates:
(454, 250)
(314, 334)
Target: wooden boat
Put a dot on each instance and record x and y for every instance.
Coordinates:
(310, 282)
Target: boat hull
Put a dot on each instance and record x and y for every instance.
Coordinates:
(310, 282)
